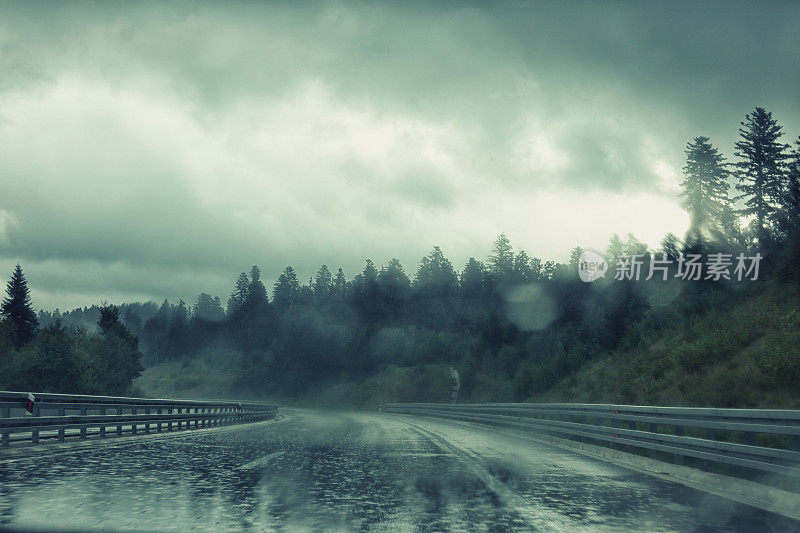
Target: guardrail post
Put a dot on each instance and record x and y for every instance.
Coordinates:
(83, 429)
(4, 438)
(630, 448)
(102, 424)
(133, 422)
(614, 425)
(653, 429)
(711, 434)
(678, 457)
(147, 424)
(119, 425)
(35, 432)
(159, 426)
(61, 432)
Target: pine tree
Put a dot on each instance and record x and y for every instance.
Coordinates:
(287, 289)
(730, 229)
(323, 283)
(789, 219)
(791, 200)
(670, 246)
(18, 309)
(393, 289)
(257, 298)
(705, 188)
(615, 250)
(207, 308)
(339, 283)
(549, 269)
(536, 267)
(109, 318)
(574, 258)
(501, 260)
(239, 295)
(392, 279)
(473, 278)
(369, 274)
(110, 324)
(523, 270)
(365, 291)
(178, 334)
(435, 275)
(762, 169)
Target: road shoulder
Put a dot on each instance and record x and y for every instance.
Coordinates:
(741, 491)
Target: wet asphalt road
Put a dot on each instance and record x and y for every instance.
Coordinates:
(352, 472)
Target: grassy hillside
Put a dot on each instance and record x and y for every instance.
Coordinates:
(745, 355)
(212, 375)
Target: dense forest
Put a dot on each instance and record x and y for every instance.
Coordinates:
(56, 358)
(514, 325)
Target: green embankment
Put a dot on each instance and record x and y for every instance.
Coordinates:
(745, 355)
(191, 379)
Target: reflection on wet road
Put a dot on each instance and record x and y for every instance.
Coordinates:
(345, 472)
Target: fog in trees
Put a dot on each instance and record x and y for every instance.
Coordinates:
(513, 324)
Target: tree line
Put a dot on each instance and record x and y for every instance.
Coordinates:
(54, 358)
(508, 344)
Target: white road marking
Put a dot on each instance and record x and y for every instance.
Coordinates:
(261, 462)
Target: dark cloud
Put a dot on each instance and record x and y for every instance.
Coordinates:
(154, 150)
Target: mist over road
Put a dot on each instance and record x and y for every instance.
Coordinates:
(318, 471)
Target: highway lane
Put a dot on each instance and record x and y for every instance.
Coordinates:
(316, 471)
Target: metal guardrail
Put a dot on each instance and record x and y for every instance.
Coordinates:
(766, 440)
(35, 417)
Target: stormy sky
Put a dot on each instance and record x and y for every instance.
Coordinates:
(152, 151)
